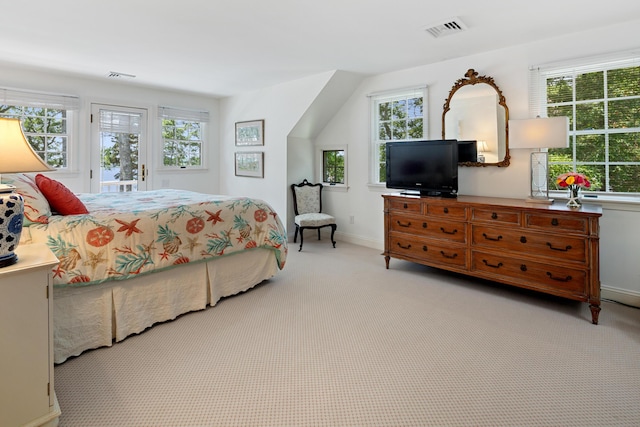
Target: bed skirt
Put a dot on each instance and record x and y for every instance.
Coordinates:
(91, 317)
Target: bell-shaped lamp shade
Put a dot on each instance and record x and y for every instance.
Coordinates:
(16, 152)
(16, 155)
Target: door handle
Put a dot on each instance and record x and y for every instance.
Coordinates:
(144, 172)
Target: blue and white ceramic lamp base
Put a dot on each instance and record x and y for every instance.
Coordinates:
(11, 216)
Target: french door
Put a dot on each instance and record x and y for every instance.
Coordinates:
(118, 148)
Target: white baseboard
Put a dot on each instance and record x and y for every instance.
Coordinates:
(624, 296)
(360, 241)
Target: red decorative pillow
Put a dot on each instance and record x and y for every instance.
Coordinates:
(60, 198)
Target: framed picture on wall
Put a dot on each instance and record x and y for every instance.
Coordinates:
(250, 133)
(250, 164)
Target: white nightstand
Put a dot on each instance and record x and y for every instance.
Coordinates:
(27, 396)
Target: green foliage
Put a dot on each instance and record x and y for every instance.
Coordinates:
(333, 166)
(398, 120)
(605, 128)
(182, 143)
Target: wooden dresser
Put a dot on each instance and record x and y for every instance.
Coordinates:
(547, 248)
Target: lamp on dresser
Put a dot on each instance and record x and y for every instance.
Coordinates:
(16, 156)
(541, 134)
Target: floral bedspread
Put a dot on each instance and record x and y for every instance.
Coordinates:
(129, 234)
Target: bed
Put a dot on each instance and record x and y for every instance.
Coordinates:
(138, 258)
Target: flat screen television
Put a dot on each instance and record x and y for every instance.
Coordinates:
(428, 168)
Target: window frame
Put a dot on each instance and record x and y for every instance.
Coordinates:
(539, 106)
(375, 99)
(184, 115)
(320, 150)
(69, 104)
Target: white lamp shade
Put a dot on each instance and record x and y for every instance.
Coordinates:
(550, 132)
(16, 154)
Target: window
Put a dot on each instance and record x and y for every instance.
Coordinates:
(333, 165)
(396, 116)
(182, 137)
(602, 101)
(46, 122)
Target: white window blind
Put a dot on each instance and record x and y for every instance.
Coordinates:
(539, 73)
(118, 122)
(183, 114)
(39, 100)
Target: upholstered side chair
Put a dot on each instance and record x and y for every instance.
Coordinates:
(307, 204)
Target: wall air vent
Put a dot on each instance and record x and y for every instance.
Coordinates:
(116, 75)
(450, 26)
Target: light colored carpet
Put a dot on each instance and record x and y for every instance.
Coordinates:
(337, 340)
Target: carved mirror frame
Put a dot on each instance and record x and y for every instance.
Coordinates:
(472, 78)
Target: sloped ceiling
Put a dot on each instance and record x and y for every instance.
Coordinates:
(223, 48)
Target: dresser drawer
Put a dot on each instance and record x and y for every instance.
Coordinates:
(558, 279)
(432, 252)
(406, 205)
(557, 223)
(498, 216)
(559, 247)
(454, 231)
(444, 211)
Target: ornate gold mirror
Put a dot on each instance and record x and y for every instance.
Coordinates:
(477, 111)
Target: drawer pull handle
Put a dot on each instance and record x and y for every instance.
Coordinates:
(406, 206)
(523, 267)
(559, 279)
(566, 249)
(404, 247)
(448, 232)
(448, 256)
(425, 248)
(492, 265)
(493, 239)
(446, 210)
(404, 224)
(424, 225)
(494, 216)
(523, 239)
(555, 222)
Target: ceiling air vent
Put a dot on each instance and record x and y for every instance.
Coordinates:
(116, 75)
(451, 26)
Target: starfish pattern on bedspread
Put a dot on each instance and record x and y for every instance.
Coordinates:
(129, 234)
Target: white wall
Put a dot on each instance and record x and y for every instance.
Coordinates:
(281, 107)
(121, 93)
(620, 275)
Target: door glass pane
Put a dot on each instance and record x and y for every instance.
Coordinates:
(119, 137)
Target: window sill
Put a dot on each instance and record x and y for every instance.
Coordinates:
(335, 187)
(627, 203)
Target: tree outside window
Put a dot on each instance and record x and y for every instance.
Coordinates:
(182, 143)
(603, 106)
(333, 166)
(400, 117)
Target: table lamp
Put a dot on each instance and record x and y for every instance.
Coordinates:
(16, 156)
(539, 133)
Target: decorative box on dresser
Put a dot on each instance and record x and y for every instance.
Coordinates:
(547, 248)
(27, 396)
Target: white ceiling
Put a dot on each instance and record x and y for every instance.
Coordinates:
(227, 47)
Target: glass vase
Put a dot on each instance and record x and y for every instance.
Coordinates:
(574, 197)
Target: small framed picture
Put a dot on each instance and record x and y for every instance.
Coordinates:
(250, 164)
(250, 133)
